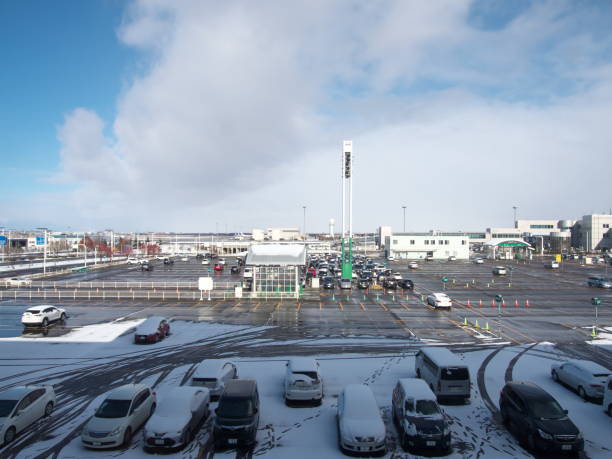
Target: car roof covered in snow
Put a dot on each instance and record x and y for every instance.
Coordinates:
(442, 357)
(150, 325)
(303, 364)
(209, 368)
(179, 400)
(591, 367)
(16, 393)
(359, 402)
(417, 389)
(125, 392)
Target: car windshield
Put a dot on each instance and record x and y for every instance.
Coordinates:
(235, 408)
(113, 409)
(33, 311)
(450, 373)
(310, 374)
(427, 407)
(547, 409)
(601, 375)
(6, 407)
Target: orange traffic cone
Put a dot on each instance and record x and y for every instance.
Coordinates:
(516, 305)
(480, 303)
(526, 303)
(469, 304)
(504, 303)
(492, 303)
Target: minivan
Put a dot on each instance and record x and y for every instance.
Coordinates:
(237, 415)
(417, 416)
(538, 420)
(214, 374)
(445, 374)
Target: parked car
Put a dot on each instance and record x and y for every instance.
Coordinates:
(168, 261)
(218, 267)
(360, 426)
(235, 269)
(537, 419)
(420, 422)
(600, 282)
(391, 258)
(551, 264)
(177, 418)
(406, 284)
(439, 300)
(42, 315)
(447, 376)
(133, 261)
(500, 271)
(413, 265)
(345, 284)
(478, 261)
(607, 398)
(123, 411)
(205, 261)
(22, 406)
(152, 330)
(221, 261)
(429, 258)
(248, 272)
(452, 258)
(214, 374)
(587, 378)
(18, 282)
(328, 283)
(303, 381)
(363, 284)
(397, 276)
(237, 415)
(146, 266)
(390, 283)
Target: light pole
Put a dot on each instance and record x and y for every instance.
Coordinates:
(404, 208)
(304, 227)
(514, 208)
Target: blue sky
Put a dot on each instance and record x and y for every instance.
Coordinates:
(233, 113)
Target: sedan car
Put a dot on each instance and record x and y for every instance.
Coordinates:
(551, 264)
(390, 283)
(214, 374)
(439, 300)
(585, 377)
(406, 284)
(21, 406)
(413, 265)
(600, 282)
(328, 283)
(345, 284)
(235, 269)
(18, 282)
(303, 381)
(218, 267)
(500, 271)
(478, 261)
(152, 330)
(177, 418)
(123, 411)
(43, 315)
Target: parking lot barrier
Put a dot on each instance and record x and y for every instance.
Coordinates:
(469, 304)
(492, 303)
(473, 281)
(467, 285)
(526, 303)
(516, 305)
(503, 303)
(488, 285)
(594, 332)
(509, 284)
(480, 303)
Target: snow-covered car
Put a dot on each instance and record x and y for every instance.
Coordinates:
(18, 282)
(123, 411)
(303, 381)
(177, 418)
(413, 265)
(360, 426)
(21, 406)
(214, 375)
(152, 330)
(43, 315)
(607, 398)
(585, 377)
(439, 300)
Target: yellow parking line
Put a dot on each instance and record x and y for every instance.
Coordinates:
(404, 306)
(383, 306)
(340, 306)
(362, 306)
(320, 305)
(299, 306)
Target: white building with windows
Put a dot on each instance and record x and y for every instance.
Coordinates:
(542, 227)
(596, 232)
(418, 246)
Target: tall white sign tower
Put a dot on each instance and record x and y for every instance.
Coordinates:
(347, 209)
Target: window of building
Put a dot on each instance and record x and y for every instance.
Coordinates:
(463, 242)
(426, 241)
(433, 242)
(394, 241)
(606, 225)
(440, 242)
(541, 226)
(446, 242)
(412, 242)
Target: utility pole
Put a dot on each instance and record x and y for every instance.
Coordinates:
(304, 227)
(514, 208)
(404, 207)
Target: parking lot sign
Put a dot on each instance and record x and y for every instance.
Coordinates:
(2, 240)
(40, 240)
(596, 301)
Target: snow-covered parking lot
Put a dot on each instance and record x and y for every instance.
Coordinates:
(88, 362)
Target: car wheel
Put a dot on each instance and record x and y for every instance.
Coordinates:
(581, 393)
(63, 317)
(504, 415)
(9, 435)
(48, 409)
(610, 410)
(45, 322)
(555, 376)
(127, 437)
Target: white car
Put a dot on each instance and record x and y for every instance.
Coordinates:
(185, 259)
(133, 261)
(552, 264)
(439, 300)
(397, 276)
(413, 265)
(585, 377)
(122, 412)
(205, 261)
(18, 282)
(478, 261)
(452, 258)
(221, 261)
(303, 381)
(42, 315)
(500, 270)
(360, 426)
(391, 258)
(214, 375)
(247, 273)
(177, 418)
(21, 406)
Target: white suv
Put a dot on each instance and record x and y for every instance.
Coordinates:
(303, 380)
(42, 315)
(22, 406)
(18, 282)
(123, 411)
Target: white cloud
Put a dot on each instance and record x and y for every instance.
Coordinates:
(241, 110)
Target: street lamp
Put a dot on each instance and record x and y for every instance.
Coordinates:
(404, 207)
(514, 208)
(304, 227)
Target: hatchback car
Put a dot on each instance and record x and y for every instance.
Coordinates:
(587, 378)
(538, 420)
(123, 411)
(500, 271)
(439, 300)
(43, 315)
(361, 429)
(600, 282)
(152, 330)
(177, 418)
(214, 374)
(218, 267)
(303, 381)
(22, 406)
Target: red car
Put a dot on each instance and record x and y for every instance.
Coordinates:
(218, 267)
(152, 330)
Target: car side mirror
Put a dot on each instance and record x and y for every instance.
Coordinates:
(17, 413)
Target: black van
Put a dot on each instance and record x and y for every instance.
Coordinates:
(537, 419)
(237, 415)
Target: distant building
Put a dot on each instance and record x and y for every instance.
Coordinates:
(596, 232)
(276, 269)
(418, 246)
(284, 234)
(258, 234)
(383, 232)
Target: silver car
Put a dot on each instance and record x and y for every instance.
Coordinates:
(585, 377)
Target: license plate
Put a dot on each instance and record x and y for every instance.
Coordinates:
(566, 447)
(159, 441)
(232, 441)
(96, 443)
(431, 443)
